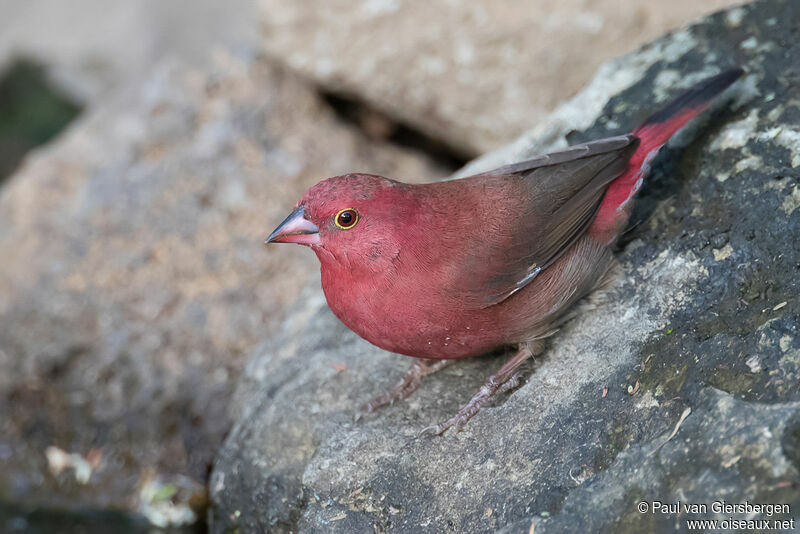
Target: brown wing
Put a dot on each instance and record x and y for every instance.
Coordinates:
(557, 197)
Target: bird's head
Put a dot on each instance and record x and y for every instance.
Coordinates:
(352, 216)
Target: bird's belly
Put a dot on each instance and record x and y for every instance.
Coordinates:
(417, 323)
(411, 324)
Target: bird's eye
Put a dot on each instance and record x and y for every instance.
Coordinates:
(346, 218)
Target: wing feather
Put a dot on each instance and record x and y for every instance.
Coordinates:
(556, 198)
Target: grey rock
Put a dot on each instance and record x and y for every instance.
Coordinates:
(723, 443)
(476, 74)
(93, 47)
(646, 395)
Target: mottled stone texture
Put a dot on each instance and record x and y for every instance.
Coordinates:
(476, 74)
(133, 276)
(93, 47)
(679, 384)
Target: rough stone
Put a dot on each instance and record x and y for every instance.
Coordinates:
(476, 74)
(651, 393)
(134, 278)
(93, 47)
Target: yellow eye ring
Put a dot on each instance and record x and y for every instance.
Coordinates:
(346, 218)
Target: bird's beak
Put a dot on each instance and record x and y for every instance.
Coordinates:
(295, 229)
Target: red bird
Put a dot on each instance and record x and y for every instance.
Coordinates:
(459, 268)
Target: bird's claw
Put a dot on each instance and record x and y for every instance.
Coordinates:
(433, 429)
(410, 382)
(470, 409)
(460, 419)
(399, 392)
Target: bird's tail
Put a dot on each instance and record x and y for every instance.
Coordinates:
(612, 215)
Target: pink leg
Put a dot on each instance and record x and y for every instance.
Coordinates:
(408, 384)
(507, 377)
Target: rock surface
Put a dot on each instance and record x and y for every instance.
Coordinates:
(134, 278)
(92, 47)
(476, 74)
(679, 385)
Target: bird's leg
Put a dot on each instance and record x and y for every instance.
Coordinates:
(408, 384)
(507, 377)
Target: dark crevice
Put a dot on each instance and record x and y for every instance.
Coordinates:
(32, 112)
(378, 125)
(15, 518)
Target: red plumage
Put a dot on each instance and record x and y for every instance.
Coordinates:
(458, 268)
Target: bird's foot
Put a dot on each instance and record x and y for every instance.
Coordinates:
(512, 383)
(506, 378)
(408, 384)
(466, 412)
